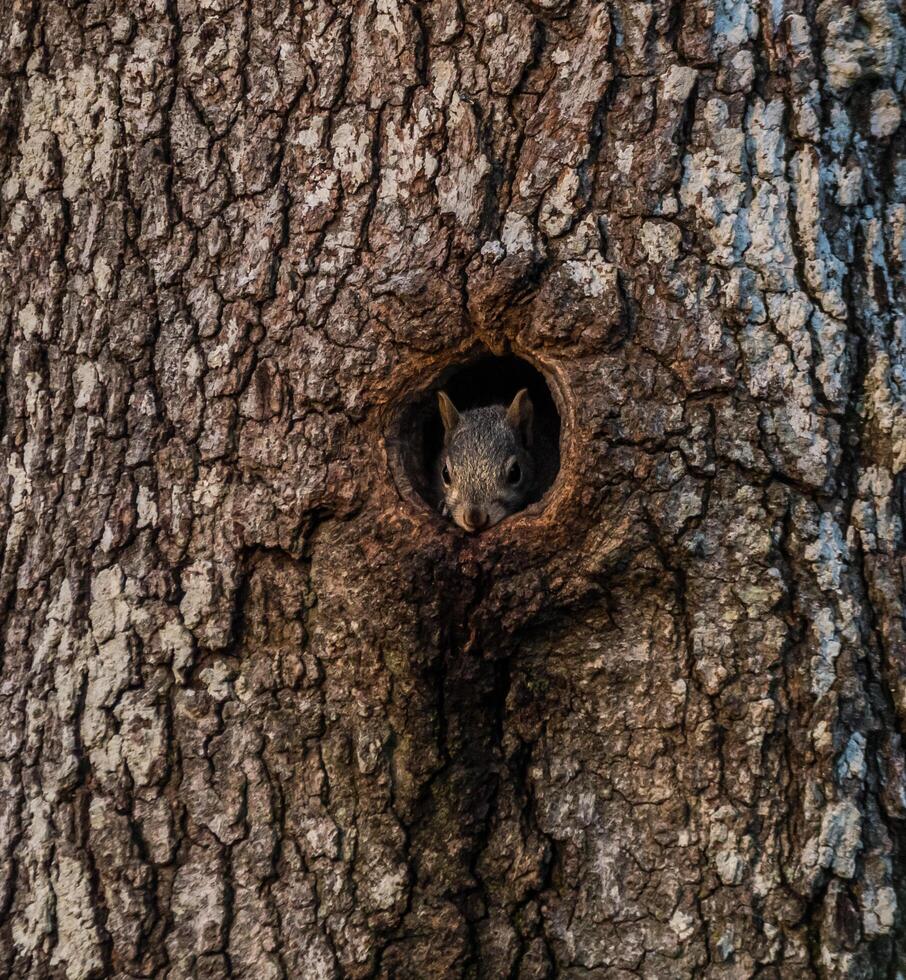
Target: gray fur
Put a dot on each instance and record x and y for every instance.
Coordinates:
(480, 445)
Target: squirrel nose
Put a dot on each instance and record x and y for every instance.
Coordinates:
(476, 518)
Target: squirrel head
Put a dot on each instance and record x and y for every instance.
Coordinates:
(486, 470)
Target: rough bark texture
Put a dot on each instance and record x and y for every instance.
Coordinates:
(263, 713)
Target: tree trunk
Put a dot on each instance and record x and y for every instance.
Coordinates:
(266, 714)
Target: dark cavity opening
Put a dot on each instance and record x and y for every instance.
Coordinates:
(486, 380)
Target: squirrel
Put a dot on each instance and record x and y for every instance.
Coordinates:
(486, 470)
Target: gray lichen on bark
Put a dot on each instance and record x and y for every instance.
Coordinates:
(264, 715)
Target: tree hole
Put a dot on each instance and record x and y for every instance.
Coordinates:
(485, 380)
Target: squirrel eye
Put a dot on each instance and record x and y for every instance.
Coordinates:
(445, 474)
(513, 473)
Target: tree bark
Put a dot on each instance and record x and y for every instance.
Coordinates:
(264, 713)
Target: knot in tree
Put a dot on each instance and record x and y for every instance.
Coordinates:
(489, 441)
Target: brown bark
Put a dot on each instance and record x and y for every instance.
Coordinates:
(264, 713)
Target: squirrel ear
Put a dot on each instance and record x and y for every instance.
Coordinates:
(447, 412)
(519, 415)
